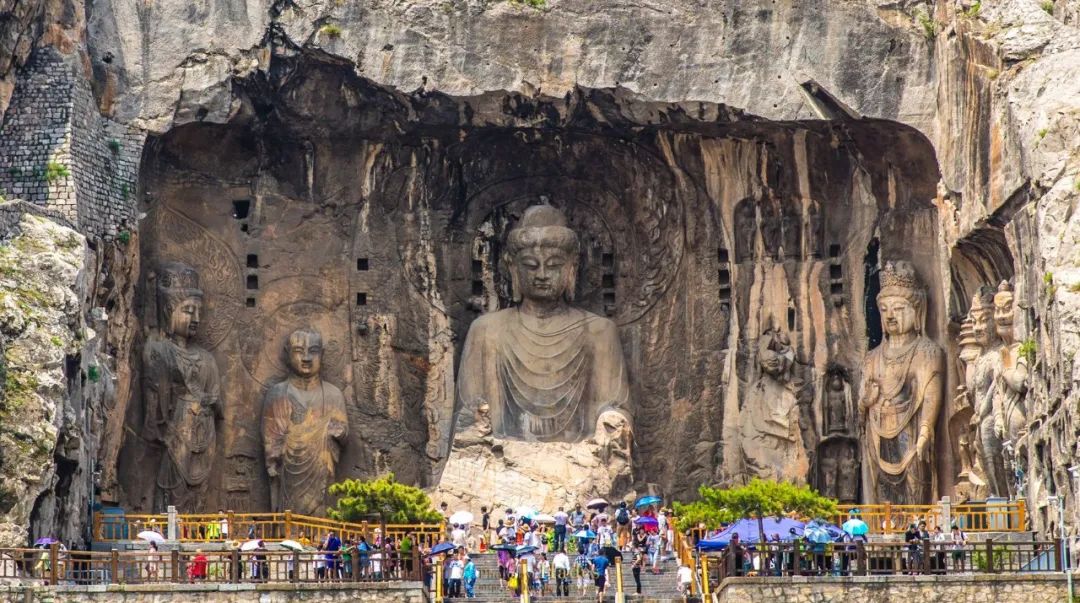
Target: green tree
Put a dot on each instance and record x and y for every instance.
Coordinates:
(760, 499)
(699, 512)
(384, 498)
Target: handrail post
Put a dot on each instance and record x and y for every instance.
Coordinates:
(288, 524)
(1057, 555)
(114, 567)
(295, 577)
(1021, 512)
(860, 548)
(797, 555)
(523, 581)
(417, 564)
(54, 560)
(231, 522)
(887, 528)
(705, 576)
(990, 555)
(174, 562)
(235, 572)
(620, 596)
(439, 595)
(925, 556)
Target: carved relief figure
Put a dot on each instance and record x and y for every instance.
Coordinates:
(980, 386)
(304, 427)
(1011, 387)
(837, 401)
(181, 390)
(901, 394)
(542, 370)
(770, 430)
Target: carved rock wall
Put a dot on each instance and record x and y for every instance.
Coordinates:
(378, 217)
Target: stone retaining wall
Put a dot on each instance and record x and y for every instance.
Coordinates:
(398, 592)
(1035, 588)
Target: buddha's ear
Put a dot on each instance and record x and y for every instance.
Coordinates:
(515, 283)
(570, 280)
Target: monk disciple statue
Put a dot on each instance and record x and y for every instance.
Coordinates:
(542, 386)
(541, 370)
(303, 426)
(181, 391)
(770, 429)
(901, 394)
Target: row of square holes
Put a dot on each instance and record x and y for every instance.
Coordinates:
(253, 279)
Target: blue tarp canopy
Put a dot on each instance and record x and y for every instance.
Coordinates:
(747, 529)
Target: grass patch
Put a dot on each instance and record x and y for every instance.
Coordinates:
(972, 11)
(330, 30)
(1028, 351)
(54, 171)
(1042, 133)
(1048, 7)
(929, 26)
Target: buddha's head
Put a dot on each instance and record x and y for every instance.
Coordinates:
(902, 300)
(304, 350)
(542, 255)
(179, 300)
(982, 318)
(1003, 311)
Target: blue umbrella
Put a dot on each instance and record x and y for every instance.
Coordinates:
(747, 529)
(856, 527)
(817, 533)
(650, 522)
(587, 534)
(524, 550)
(46, 541)
(645, 501)
(442, 547)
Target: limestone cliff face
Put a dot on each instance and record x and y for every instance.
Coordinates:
(993, 86)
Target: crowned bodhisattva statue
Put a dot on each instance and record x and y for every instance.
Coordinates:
(181, 391)
(542, 386)
(902, 388)
(304, 425)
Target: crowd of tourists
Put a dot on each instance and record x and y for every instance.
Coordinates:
(570, 551)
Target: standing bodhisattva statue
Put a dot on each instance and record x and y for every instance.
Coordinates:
(902, 385)
(181, 391)
(542, 370)
(303, 426)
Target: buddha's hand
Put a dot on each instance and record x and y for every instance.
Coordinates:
(922, 447)
(272, 469)
(870, 396)
(336, 429)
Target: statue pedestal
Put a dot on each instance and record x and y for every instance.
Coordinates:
(542, 475)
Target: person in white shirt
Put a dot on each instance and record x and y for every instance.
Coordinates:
(457, 536)
(685, 578)
(561, 521)
(535, 539)
(561, 564)
(455, 575)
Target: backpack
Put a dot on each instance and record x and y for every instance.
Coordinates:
(622, 517)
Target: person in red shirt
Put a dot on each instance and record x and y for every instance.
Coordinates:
(197, 569)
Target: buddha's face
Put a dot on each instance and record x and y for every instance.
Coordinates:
(305, 353)
(542, 272)
(1003, 315)
(981, 327)
(897, 315)
(184, 318)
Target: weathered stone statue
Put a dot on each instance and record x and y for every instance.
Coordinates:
(542, 386)
(1010, 390)
(837, 402)
(901, 394)
(770, 431)
(181, 391)
(981, 383)
(541, 370)
(304, 425)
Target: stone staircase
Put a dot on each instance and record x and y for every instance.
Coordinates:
(654, 587)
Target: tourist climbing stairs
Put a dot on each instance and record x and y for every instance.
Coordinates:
(654, 587)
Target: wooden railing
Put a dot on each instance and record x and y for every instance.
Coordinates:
(983, 517)
(271, 527)
(886, 558)
(58, 566)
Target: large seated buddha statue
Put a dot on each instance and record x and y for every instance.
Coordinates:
(542, 386)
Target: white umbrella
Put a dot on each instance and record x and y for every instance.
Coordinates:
(461, 517)
(151, 536)
(542, 518)
(292, 545)
(250, 545)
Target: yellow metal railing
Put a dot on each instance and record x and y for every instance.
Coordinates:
(272, 527)
(983, 517)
